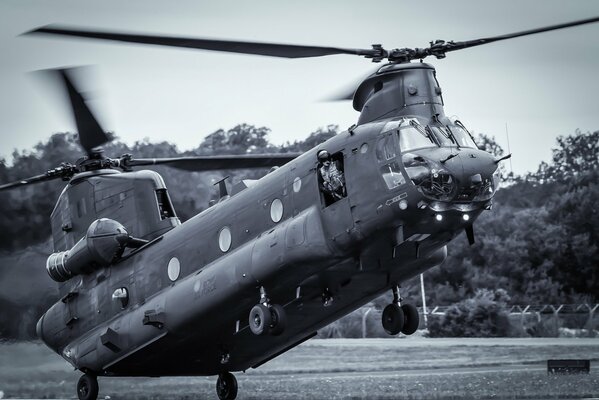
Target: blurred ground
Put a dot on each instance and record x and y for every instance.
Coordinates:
(407, 368)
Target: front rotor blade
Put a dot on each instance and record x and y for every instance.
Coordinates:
(211, 163)
(90, 132)
(230, 46)
(477, 42)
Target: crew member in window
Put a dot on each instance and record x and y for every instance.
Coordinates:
(330, 177)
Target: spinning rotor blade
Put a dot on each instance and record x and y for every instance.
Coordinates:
(437, 48)
(230, 46)
(90, 132)
(210, 163)
(347, 91)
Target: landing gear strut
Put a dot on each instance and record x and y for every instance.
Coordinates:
(266, 318)
(400, 318)
(226, 386)
(87, 387)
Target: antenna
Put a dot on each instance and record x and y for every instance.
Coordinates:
(508, 148)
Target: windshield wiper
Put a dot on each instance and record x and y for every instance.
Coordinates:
(449, 157)
(422, 131)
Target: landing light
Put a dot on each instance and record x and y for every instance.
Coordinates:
(439, 217)
(466, 217)
(403, 204)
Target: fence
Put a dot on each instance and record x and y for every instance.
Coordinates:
(532, 320)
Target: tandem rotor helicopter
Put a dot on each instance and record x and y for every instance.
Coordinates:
(275, 259)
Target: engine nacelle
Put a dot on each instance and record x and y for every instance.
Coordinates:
(102, 245)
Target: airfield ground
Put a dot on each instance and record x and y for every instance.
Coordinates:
(409, 368)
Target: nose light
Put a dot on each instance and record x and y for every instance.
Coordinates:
(403, 204)
(439, 217)
(466, 217)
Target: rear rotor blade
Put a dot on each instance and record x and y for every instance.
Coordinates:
(230, 46)
(27, 181)
(65, 171)
(90, 132)
(210, 163)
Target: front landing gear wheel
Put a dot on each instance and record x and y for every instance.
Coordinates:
(87, 387)
(393, 319)
(226, 386)
(279, 319)
(411, 319)
(260, 319)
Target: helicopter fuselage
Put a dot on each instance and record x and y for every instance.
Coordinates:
(190, 289)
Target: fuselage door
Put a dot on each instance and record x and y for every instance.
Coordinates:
(337, 215)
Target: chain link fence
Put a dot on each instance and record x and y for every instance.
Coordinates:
(547, 320)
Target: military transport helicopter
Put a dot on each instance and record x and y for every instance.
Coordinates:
(275, 259)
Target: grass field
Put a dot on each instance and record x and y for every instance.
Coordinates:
(414, 368)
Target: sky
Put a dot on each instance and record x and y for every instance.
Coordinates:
(539, 86)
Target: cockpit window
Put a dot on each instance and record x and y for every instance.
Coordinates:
(385, 148)
(413, 136)
(462, 136)
(442, 135)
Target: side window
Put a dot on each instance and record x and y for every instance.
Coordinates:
(392, 175)
(386, 148)
(165, 207)
(386, 151)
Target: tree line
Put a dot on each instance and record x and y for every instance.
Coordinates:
(538, 245)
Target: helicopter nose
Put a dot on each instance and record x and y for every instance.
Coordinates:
(448, 175)
(476, 162)
(476, 181)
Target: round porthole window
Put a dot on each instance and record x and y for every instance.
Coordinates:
(224, 239)
(297, 184)
(276, 210)
(364, 148)
(122, 296)
(174, 269)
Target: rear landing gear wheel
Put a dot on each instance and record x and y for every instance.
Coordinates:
(393, 319)
(87, 387)
(411, 319)
(260, 319)
(279, 319)
(226, 386)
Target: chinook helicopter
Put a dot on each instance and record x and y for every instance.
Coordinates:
(275, 259)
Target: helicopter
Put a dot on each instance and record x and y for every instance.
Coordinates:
(275, 259)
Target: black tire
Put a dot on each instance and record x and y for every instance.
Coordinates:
(226, 386)
(393, 319)
(411, 319)
(279, 319)
(87, 387)
(260, 319)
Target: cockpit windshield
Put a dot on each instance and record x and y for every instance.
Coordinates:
(462, 136)
(442, 135)
(413, 136)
